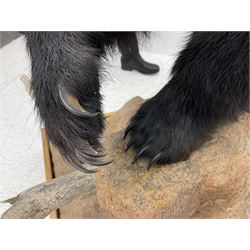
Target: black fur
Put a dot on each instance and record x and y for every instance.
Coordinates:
(209, 85)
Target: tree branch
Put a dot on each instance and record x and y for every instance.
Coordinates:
(39, 201)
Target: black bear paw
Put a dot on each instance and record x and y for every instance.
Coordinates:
(163, 135)
(76, 133)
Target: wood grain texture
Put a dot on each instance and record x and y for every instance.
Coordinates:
(48, 165)
(39, 201)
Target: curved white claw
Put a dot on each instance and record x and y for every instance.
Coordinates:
(79, 112)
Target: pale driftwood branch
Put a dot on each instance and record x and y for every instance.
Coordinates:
(39, 201)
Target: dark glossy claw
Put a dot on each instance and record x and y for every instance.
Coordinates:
(89, 149)
(154, 160)
(91, 160)
(98, 147)
(129, 127)
(129, 145)
(81, 168)
(79, 112)
(92, 153)
(139, 154)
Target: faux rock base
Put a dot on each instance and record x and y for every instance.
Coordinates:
(213, 183)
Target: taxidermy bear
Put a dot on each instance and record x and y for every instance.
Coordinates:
(209, 85)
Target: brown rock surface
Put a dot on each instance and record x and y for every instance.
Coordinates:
(213, 183)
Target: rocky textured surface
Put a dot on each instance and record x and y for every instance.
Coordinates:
(213, 183)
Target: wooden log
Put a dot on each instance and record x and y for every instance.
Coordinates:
(48, 165)
(39, 201)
